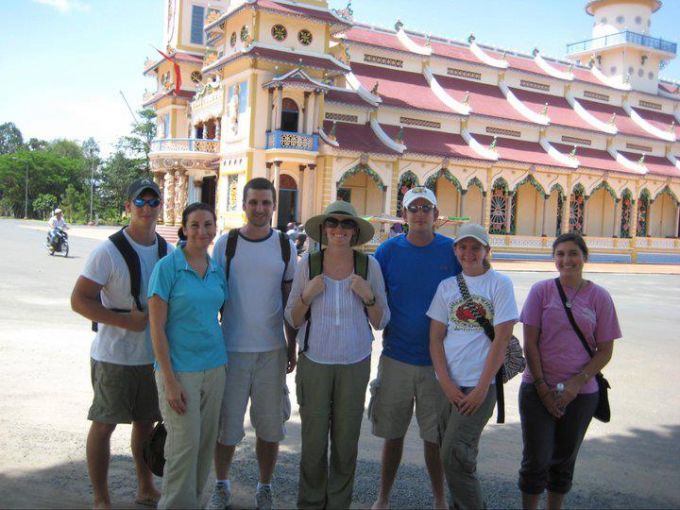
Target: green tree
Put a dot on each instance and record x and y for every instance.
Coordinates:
(44, 204)
(118, 171)
(90, 150)
(138, 144)
(11, 139)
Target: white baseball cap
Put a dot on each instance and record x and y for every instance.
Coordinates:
(57, 211)
(419, 192)
(475, 231)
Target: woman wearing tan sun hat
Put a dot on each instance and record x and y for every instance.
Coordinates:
(338, 294)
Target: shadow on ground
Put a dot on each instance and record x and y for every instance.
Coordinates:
(632, 457)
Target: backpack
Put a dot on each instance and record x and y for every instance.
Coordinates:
(134, 267)
(315, 263)
(230, 251)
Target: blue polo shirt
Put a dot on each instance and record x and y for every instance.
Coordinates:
(412, 274)
(193, 330)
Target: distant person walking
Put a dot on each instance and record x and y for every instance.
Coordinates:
(259, 263)
(555, 420)
(412, 265)
(338, 294)
(186, 291)
(108, 293)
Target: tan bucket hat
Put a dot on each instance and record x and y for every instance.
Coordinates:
(341, 210)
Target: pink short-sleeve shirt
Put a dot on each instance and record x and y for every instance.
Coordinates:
(562, 353)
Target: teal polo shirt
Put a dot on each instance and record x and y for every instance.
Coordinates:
(193, 330)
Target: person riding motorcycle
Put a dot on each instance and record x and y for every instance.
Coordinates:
(56, 223)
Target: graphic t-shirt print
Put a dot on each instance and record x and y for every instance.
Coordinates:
(462, 316)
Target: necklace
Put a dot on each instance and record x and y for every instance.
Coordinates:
(580, 286)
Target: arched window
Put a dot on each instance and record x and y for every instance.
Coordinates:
(290, 115)
(407, 181)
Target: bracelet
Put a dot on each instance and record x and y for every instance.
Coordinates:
(303, 302)
(370, 302)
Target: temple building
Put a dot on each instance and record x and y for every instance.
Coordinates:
(327, 107)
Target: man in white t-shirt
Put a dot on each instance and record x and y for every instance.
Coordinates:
(259, 353)
(121, 355)
(55, 222)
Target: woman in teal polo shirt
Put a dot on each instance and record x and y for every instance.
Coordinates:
(186, 291)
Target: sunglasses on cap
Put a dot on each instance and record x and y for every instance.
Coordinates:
(151, 202)
(426, 208)
(344, 224)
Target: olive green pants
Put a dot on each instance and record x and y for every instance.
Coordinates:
(331, 400)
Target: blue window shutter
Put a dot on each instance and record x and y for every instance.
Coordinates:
(197, 15)
(166, 125)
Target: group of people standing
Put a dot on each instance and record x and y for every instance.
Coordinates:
(208, 334)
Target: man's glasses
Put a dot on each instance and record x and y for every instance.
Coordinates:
(151, 202)
(426, 208)
(344, 224)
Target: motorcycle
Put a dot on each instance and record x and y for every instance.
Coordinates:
(57, 242)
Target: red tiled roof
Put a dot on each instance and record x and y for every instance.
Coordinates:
(433, 143)
(660, 120)
(345, 97)
(296, 10)
(374, 38)
(624, 123)
(283, 57)
(399, 88)
(357, 137)
(671, 88)
(655, 164)
(179, 56)
(593, 158)
(520, 151)
(485, 99)
(559, 110)
(188, 94)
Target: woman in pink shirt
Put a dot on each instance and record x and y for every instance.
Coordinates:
(559, 393)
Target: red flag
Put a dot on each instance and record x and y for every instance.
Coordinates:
(178, 72)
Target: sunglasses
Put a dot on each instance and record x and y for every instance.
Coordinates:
(426, 208)
(344, 224)
(151, 202)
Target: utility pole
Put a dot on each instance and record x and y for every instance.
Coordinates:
(26, 190)
(92, 162)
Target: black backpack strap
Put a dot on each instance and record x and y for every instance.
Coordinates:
(486, 325)
(285, 253)
(162, 246)
(230, 249)
(132, 261)
(315, 265)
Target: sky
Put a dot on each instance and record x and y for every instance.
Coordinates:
(64, 63)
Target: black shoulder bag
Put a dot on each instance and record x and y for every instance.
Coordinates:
(603, 412)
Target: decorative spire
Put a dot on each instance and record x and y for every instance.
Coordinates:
(535, 52)
(400, 135)
(346, 13)
(471, 38)
(641, 161)
(374, 90)
(572, 154)
(672, 126)
(591, 61)
(612, 119)
(492, 146)
(571, 67)
(334, 127)
(398, 25)
(466, 97)
(428, 40)
(545, 110)
(627, 79)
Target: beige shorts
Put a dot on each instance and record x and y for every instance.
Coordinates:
(122, 393)
(261, 378)
(393, 394)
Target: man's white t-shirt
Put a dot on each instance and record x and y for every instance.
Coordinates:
(466, 345)
(106, 266)
(253, 316)
(55, 222)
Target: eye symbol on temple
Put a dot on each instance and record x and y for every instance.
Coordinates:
(305, 37)
(279, 32)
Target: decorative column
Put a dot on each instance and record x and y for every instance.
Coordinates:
(218, 129)
(279, 108)
(270, 102)
(677, 220)
(585, 215)
(194, 129)
(486, 211)
(311, 185)
(633, 227)
(315, 119)
(546, 198)
(617, 217)
(305, 114)
(312, 106)
(277, 178)
(508, 211)
(302, 194)
(461, 204)
(269, 170)
(169, 203)
(180, 193)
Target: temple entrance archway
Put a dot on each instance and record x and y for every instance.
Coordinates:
(287, 204)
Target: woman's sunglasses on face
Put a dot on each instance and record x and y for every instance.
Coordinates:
(344, 224)
(151, 202)
(426, 208)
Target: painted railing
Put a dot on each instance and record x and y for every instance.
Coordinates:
(290, 140)
(185, 145)
(620, 38)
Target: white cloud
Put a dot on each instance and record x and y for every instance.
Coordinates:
(65, 5)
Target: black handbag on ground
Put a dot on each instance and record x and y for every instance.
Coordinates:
(153, 449)
(514, 361)
(603, 412)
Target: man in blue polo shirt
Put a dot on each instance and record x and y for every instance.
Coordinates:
(412, 265)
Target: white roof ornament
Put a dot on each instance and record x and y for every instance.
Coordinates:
(477, 147)
(549, 69)
(609, 82)
(478, 52)
(409, 43)
(456, 106)
(638, 168)
(589, 117)
(384, 137)
(645, 125)
(523, 109)
(565, 159)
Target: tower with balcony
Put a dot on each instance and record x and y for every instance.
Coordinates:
(622, 46)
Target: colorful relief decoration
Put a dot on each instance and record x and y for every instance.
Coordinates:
(431, 181)
(344, 194)
(499, 207)
(407, 181)
(607, 187)
(279, 33)
(560, 213)
(643, 213)
(577, 205)
(305, 37)
(245, 33)
(530, 179)
(232, 193)
(626, 213)
(362, 168)
(232, 39)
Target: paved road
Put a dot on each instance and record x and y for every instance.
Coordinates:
(631, 462)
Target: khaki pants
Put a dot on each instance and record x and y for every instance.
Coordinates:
(190, 444)
(459, 450)
(331, 400)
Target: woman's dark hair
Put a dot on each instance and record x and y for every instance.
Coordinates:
(180, 234)
(574, 238)
(196, 206)
(259, 183)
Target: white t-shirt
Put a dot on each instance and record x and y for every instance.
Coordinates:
(106, 266)
(253, 316)
(55, 222)
(466, 345)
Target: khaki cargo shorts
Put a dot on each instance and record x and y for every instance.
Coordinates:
(393, 393)
(122, 393)
(261, 378)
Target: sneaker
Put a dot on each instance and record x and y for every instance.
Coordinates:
(220, 499)
(264, 498)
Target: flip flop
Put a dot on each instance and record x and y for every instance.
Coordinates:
(150, 502)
